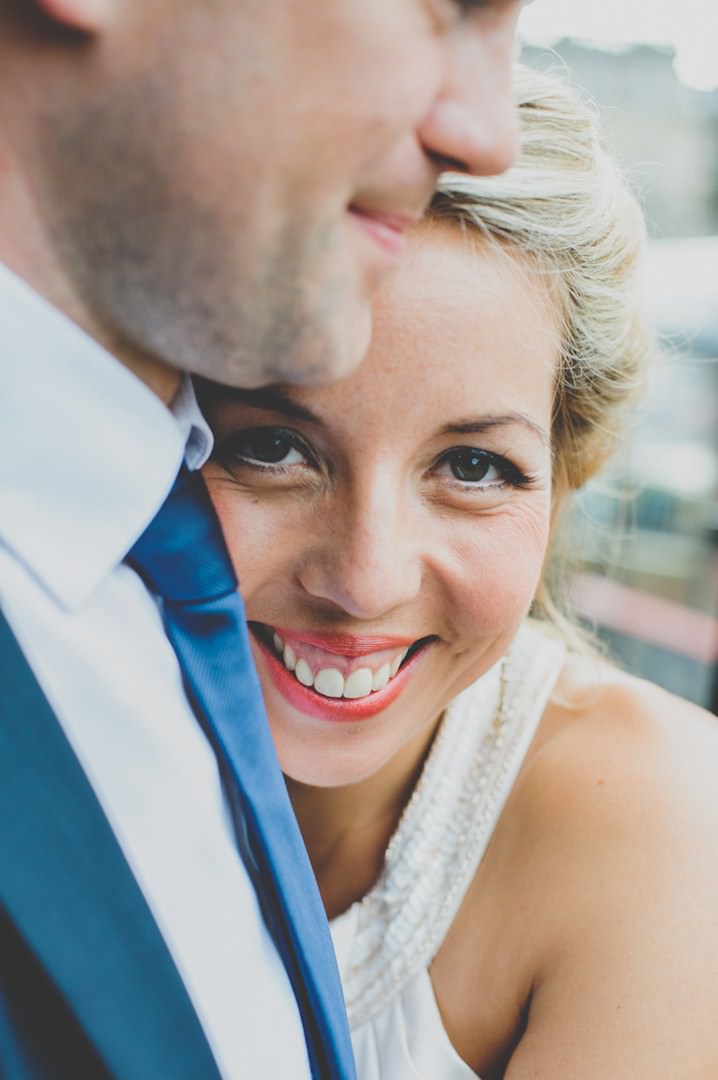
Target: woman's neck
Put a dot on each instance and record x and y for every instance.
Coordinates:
(347, 829)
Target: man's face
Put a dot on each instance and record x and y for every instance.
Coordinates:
(233, 186)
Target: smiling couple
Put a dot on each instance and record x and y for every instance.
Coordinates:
(513, 841)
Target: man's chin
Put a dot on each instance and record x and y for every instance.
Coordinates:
(330, 357)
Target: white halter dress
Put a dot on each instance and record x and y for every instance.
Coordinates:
(386, 941)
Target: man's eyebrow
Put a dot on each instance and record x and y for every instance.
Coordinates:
(270, 399)
(477, 425)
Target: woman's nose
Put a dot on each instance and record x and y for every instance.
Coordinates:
(366, 567)
(473, 125)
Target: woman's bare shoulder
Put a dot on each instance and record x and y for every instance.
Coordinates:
(619, 788)
(606, 729)
(593, 917)
(615, 825)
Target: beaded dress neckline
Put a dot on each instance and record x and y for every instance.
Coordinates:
(395, 931)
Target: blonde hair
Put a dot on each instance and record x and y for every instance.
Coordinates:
(565, 207)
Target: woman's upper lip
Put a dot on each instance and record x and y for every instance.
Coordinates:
(344, 644)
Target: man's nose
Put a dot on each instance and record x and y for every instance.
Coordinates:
(473, 124)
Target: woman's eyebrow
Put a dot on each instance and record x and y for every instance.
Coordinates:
(271, 399)
(479, 424)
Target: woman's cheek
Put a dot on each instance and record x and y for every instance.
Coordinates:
(250, 528)
(500, 571)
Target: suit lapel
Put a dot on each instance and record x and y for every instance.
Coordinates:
(66, 886)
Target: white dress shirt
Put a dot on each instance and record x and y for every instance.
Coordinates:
(87, 456)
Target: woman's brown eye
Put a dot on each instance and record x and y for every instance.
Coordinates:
(268, 446)
(470, 465)
(264, 447)
(482, 470)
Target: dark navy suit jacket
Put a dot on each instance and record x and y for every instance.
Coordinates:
(88, 989)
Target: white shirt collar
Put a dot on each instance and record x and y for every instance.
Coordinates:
(87, 451)
(196, 432)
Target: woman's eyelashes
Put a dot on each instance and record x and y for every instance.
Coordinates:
(284, 453)
(481, 470)
(270, 449)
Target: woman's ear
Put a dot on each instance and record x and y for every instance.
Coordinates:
(83, 16)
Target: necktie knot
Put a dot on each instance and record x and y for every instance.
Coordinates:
(182, 555)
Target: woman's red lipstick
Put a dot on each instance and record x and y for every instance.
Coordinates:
(344, 644)
(311, 703)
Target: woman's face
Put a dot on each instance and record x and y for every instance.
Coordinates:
(389, 531)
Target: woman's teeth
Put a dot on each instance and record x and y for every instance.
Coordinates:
(330, 682)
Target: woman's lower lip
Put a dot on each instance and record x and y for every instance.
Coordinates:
(313, 704)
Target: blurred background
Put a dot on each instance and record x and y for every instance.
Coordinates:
(648, 577)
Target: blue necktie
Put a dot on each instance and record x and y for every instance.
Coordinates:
(182, 558)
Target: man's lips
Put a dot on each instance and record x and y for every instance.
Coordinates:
(387, 230)
(312, 703)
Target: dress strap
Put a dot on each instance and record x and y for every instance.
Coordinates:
(398, 927)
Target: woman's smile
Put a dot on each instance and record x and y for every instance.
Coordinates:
(337, 677)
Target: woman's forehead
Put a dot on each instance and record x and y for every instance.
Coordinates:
(450, 271)
(460, 332)
(466, 308)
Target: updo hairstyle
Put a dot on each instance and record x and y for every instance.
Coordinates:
(566, 209)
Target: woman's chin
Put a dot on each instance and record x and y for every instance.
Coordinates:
(322, 767)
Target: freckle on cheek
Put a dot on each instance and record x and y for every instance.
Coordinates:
(502, 587)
